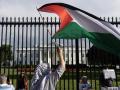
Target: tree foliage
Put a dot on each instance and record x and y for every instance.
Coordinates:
(98, 56)
(5, 53)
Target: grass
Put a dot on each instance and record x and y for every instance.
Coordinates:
(66, 82)
(71, 84)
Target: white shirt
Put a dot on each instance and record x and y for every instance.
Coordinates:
(6, 87)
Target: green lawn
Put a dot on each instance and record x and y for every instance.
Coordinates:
(66, 82)
(71, 84)
(63, 85)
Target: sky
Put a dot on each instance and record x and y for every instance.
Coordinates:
(27, 8)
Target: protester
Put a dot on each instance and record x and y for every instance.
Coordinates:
(44, 78)
(4, 85)
(22, 82)
(104, 83)
(9, 81)
(84, 84)
(26, 82)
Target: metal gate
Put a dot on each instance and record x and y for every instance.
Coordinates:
(24, 42)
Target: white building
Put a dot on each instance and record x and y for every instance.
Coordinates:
(27, 56)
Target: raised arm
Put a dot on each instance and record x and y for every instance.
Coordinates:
(61, 58)
(55, 76)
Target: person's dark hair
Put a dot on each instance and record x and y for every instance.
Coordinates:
(20, 82)
(8, 80)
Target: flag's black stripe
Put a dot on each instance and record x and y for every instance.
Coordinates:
(73, 8)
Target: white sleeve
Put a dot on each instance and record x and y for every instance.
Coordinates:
(57, 74)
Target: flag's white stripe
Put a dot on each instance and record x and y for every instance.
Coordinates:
(87, 23)
(93, 25)
(113, 29)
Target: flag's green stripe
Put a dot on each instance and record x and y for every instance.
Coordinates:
(102, 40)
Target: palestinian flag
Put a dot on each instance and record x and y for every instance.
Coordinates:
(76, 23)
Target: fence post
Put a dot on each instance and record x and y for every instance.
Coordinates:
(77, 63)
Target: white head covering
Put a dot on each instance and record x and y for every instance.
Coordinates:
(42, 72)
(44, 68)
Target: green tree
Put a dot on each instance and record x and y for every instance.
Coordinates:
(5, 53)
(100, 57)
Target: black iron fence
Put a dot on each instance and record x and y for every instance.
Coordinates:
(24, 42)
